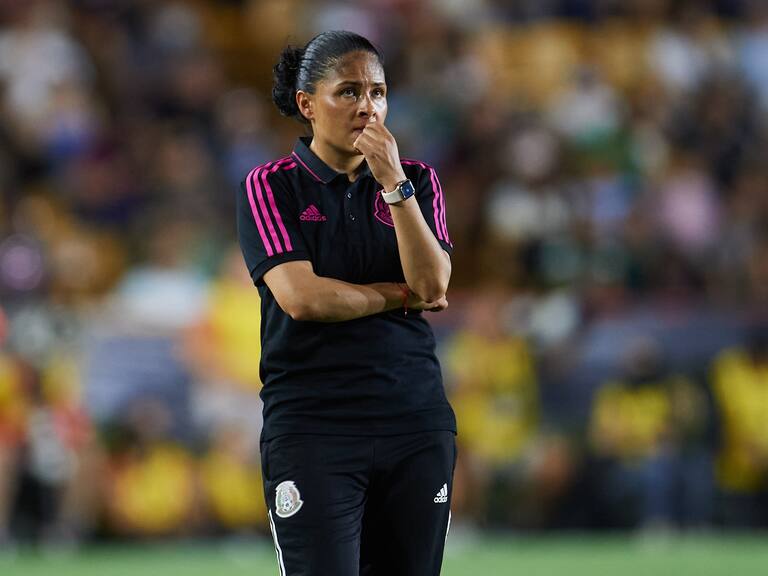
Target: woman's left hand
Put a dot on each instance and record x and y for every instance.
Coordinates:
(380, 150)
(416, 303)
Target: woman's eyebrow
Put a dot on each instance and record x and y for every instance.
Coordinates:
(358, 83)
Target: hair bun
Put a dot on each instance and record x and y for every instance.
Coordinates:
(286, 72)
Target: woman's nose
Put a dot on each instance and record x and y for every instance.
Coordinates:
(365, 106)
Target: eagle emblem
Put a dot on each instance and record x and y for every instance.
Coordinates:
(287, 499)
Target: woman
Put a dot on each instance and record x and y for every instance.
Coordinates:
(348, 244)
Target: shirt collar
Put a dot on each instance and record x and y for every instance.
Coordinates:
(316, 168)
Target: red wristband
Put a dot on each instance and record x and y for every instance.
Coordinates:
(406, 294)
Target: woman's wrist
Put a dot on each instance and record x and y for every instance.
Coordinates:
(392, 294)
(406, 295)
(391, 182)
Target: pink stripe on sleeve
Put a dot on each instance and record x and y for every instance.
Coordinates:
(260, 187)
(249, 186)
(442, 211)
(436, 204)
(283, 164)
(438, 200)
(275, 211)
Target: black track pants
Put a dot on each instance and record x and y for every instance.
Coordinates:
(351, 505)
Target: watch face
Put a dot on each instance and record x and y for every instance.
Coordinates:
(407, 189)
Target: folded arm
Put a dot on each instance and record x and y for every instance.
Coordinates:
(426, 266)
(305, 296)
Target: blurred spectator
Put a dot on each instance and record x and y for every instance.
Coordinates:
(646, 430)
(509, 471)
(221, 350)
(41, 65)
(223, 344)
(56, 493)
(241, 120)
(231, 481)
(740, 382)
(13, 408)
(150, 487)
(688, 208)
(751, 45)
(684, 51)
(587, 109)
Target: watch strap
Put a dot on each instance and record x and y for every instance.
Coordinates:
(397, 194)
(391, 197)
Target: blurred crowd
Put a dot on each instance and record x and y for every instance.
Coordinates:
(606, 348)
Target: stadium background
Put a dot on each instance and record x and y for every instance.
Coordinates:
(606, 345)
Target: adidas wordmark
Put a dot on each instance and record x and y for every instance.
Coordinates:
(312, 214)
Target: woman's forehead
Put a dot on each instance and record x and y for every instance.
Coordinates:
(357, 66)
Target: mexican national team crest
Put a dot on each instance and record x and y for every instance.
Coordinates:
(381, 210)
(287, 499)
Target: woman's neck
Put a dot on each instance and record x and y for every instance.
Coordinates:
(339, 161)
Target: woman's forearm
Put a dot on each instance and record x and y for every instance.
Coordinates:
(426, 265)
(331, 300)
(305, 296)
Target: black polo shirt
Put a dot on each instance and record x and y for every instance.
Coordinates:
(376, 375)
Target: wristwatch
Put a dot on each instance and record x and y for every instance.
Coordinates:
(403, 191)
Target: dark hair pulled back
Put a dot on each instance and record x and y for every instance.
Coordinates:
(302, 68)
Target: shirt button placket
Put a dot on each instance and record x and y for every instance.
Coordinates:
(349, 196)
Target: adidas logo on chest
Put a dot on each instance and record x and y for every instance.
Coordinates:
(312, 214)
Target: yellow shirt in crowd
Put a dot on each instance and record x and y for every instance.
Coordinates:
(741, 392)
(629, 422)
(495, 394)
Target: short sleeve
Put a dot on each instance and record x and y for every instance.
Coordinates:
(267, 223)
(429, 194)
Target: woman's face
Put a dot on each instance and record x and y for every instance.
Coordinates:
(344, 101)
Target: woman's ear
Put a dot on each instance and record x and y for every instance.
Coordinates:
(304, 102)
